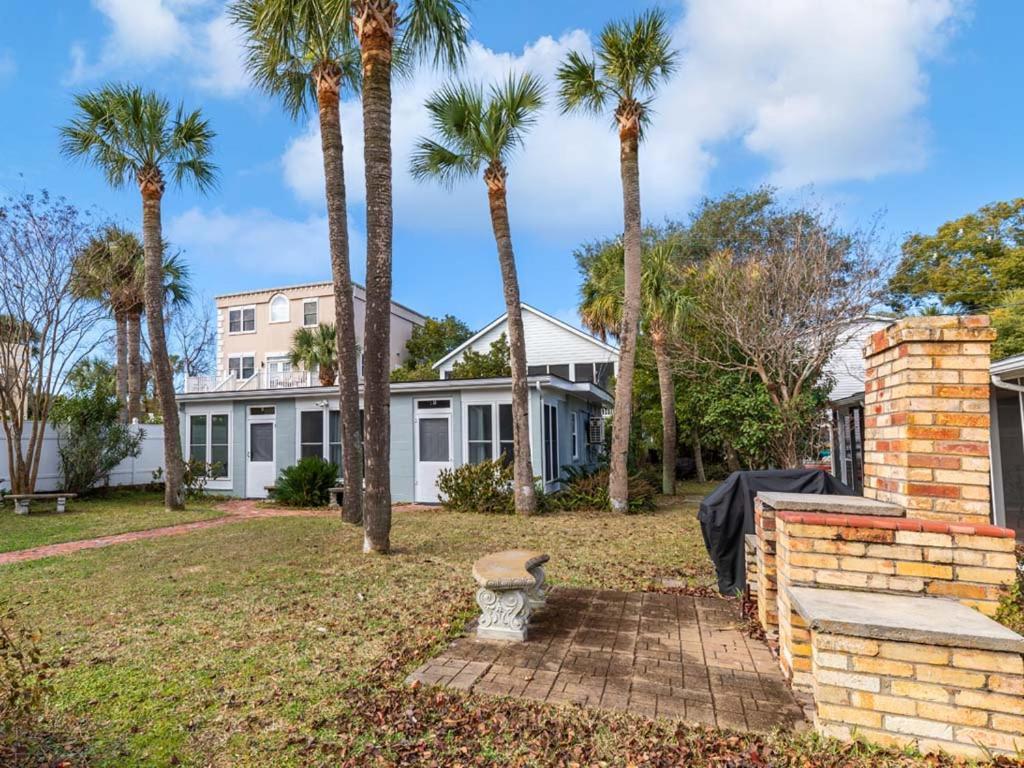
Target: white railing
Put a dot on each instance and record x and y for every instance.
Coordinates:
(259, 380)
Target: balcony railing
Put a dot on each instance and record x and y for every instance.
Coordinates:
(258, 381)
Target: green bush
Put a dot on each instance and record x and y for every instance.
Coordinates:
(306, 484)
(1011, 606)
(584, 488)
(24, 673)
(484, 487)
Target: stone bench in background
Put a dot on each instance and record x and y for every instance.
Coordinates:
(511, 587)
(901, 670)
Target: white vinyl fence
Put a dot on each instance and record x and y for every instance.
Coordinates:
(137, 471)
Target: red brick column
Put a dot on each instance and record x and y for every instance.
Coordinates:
(926, 425)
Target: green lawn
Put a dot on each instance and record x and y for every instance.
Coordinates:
(117, 512)
(275, 642)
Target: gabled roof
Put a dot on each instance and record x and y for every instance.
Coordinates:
(504, 316)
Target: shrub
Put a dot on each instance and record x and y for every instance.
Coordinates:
(24, 674)
(306, 484)
(1011, 606)
(484, 487)
(588, 489)
(196, 475)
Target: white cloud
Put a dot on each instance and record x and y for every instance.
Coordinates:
(260, 242)
(824, 92)
(222, 69)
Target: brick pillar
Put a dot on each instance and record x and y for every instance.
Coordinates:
(926, 417)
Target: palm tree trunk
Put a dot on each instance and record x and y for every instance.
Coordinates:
(163, 376)
(122, 372)
(698, 457)
(376, 43)
(668, 413)
(328, 85)
(134, 365)
(522, 466)
(629, 166)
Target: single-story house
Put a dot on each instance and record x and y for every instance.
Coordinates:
(251, 428)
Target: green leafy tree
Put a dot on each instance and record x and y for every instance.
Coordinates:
(492, 364)
(475, 130)
(973, 264)
(133, 136)
(631, 59)
(91, 438)
(317, 348)
(304, 52)
(435, 31)
(433, 340)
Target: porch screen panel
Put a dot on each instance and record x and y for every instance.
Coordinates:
(219, 445)
(433, 440)
(197, 438)
(480, 433)
(334, 439)
(311, 437)
(550, 443)
(505, 442)
(1009, 417)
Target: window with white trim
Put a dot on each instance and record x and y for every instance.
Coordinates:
(209, 442)
(279, 306)
(310, 312)
(575, 424)
(242, 366)
(506, 444)
(550, 443)
(242, 320)
(314, 426)
(480, 431)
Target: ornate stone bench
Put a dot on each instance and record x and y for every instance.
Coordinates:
(511, 587)
(22, 500)
(336, 496)
(905, 669)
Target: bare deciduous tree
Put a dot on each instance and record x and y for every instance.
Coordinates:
(45, 328)
(193, 339)
(778, 312)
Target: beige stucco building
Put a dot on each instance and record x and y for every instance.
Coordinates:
(255, 330)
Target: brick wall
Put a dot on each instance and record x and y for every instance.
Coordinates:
(926, 425)
(951, 699)
(767, 588)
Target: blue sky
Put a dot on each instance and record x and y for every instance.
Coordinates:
(904, 107)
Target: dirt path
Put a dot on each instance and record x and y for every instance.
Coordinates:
(235, 511)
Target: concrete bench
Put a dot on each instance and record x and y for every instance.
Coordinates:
(23, 500)
(336, 497)
(904, 669)
(510, 588)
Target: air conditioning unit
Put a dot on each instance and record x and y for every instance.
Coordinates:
(595, 430)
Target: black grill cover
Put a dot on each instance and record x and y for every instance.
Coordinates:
(727, 514)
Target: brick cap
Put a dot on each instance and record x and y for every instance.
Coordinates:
(829, 503)
(941, 328)
(919, 526)
(902, 618)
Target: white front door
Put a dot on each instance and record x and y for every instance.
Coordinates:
(433, 451)
(260, 467)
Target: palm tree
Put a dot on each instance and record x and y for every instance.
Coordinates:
(317, 348)
(632, 58)
(438, 31)
(475, 130)
(664, 303)
(100, 273)
(132, 135)
(301, 51)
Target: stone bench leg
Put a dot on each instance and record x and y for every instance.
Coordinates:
(332, 500)
(21, 506)
(537, 597)
(505, 614)
(62, 503)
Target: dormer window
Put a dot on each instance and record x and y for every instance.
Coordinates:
(279, 309)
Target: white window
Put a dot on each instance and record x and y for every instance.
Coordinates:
(314, 427)
(242, 320)
(242, 366)
(310, 312)
(550, 443)
(575, 419)
(209, 442)
(488, 432)
(279, 309)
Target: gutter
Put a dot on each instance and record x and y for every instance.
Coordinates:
(997, 381)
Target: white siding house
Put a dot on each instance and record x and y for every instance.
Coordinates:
(553, 347)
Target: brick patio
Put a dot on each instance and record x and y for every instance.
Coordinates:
(651, 654)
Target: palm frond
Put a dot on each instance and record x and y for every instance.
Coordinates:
(513, 109)
(177, 278)
(636, 54)
(579, 86)
(189, 148)
(431, 160)
(436, 31)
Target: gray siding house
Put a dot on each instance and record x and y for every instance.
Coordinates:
(253, 428)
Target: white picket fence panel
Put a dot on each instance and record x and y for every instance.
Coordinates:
(131, 471)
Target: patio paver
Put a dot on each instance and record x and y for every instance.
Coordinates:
(651, 654)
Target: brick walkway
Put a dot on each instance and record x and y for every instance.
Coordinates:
(235, 511)
(646, 653)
